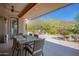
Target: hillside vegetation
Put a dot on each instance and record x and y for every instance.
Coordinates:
(53, 27)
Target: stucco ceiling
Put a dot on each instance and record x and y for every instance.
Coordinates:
(43, 8)
(5, 8)
(29, 10)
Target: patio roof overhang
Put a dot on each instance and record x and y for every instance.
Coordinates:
(35, 10)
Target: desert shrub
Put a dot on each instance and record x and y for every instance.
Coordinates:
(76, 31)
(52, 31)
(67, 32)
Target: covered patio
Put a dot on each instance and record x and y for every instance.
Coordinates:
(13, 18)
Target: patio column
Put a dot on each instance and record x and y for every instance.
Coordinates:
(24, 26)
(6, 30)
(20, 23)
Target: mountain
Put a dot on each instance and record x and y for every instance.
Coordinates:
(51, 22)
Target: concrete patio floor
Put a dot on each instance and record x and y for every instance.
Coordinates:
(54, 47)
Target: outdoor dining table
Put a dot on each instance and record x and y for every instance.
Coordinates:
(28, 39)
(25, 40)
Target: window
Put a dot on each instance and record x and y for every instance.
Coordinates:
(14, 26)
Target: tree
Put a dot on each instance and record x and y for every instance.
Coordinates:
(77, 17)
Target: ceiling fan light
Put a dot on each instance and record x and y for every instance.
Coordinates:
(12, 10)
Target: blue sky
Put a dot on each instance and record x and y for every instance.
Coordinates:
(67, 13)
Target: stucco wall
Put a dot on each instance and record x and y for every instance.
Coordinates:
(2, 26)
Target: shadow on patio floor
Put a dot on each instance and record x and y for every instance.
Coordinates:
(53, 49)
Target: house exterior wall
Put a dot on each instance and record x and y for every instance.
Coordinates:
(2, 26)
(5, 27)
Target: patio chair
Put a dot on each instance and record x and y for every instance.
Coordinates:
(35, 35)
(20, 34)
(36, 49)
(30, 34)
(15, 47)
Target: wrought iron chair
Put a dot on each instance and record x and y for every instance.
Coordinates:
(35, 35)
(16, 47)
(36, 49)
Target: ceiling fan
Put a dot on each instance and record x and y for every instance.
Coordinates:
(13, 9)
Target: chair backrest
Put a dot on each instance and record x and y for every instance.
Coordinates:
(38, 44)
(35, 35)
(15, 43)
(30, 34)
(20, 34)
(25, 35)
